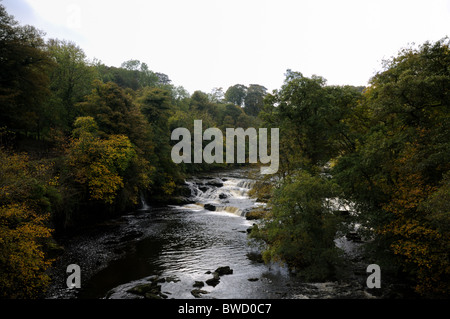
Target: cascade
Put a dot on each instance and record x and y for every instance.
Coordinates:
(229, 195)
(144, 205)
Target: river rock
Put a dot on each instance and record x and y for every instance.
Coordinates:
(157, 279)
(210, 207)
(143, 289)
(197, 292)
(353, 236)
(172, 279)
(226, 270)
(255, 256)
(214, 182)
(150, 295)
(223, 195)
(198, 284)
(214, 281)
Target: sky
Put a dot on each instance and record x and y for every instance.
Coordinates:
(206, 44)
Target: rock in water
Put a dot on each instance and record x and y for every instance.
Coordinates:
(226, 270)
(145, 288)
(197, 292)
(210, 207)
(214, 281)
(215, 182)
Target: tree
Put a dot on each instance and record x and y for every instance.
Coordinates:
(115, 113)
(71, 79)
(300, 228)
(216, 95)
(112, 108)
(131, 65)
(27, 197)
(23, 76)
(236, 94)
(312, 118)
(98, 165)
(254, 99)
(155, 105)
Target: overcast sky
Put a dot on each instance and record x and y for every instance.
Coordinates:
(202, 44)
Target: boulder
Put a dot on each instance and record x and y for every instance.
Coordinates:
(214, 281)
(172, 279)
(353, 236)
(210, 207)
(214, 182)
(226, 270)
(150, 295)
(143, 289)
(198, 292)
(198, 284)
(255, 256)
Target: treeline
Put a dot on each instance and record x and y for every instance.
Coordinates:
(81, 141)
(382, 153)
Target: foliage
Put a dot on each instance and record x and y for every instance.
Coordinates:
(27, 197)
(70, 80)
(301, 226)
(23, 76)
(98, 165)
(400, 162)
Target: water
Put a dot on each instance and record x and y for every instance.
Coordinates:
(183, 243)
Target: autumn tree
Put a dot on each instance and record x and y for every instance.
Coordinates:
(27, 198)
(97, 165)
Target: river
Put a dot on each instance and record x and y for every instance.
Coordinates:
(179, 245)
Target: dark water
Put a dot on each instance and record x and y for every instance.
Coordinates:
(181, 244)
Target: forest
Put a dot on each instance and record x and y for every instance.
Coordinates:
(81, 142)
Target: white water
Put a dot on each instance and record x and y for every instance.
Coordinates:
(232, 197)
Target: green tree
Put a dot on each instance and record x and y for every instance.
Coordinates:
(71, 80)
(313, 120)
(155, 104)
(254, 99)
(300, 228)
(23, 76)
(236, 94)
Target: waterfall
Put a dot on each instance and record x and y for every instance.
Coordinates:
(228, 195)
(144, 205)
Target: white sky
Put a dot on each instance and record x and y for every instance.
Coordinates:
(202, 44)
